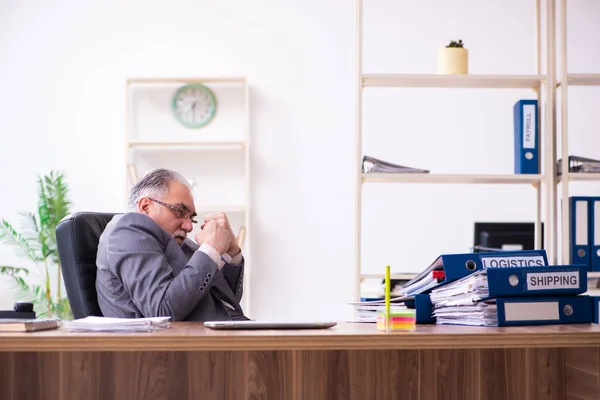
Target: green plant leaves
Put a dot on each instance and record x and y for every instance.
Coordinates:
(37, 242)
(12, 271)
(459, 44)
(21, 243)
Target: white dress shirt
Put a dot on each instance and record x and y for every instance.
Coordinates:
(220, 260)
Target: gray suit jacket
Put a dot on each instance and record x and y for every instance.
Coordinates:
(143, 272)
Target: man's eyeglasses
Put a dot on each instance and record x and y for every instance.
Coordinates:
(178, 211)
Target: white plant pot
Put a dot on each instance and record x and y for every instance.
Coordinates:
(453, 61)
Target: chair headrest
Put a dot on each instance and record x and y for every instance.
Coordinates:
(77, 238)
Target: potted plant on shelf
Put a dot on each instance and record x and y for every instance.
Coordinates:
(453, 59)
(37, 243)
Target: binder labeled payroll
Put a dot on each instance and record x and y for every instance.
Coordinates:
(456, 266)
(526, 127)
(554, 280)
(579, 230)
(594, 236)
(509, 311)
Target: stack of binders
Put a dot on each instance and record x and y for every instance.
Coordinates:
(584, 231)
(538, 295)
(448, 268)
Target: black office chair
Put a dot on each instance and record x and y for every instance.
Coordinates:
(77, 238)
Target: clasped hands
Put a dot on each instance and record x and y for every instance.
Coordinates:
(216, 232)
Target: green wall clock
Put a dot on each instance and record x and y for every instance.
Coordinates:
(194, 105)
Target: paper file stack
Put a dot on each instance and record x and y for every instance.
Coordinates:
(103, 324)
(579, 164)
(366, 311)
(372, 164)
(515, 296)
(463, 302)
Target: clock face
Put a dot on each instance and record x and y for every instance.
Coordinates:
(194, 105)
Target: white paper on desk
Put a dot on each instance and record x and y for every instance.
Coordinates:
(104, 324)
(465, 299)
(482, 313)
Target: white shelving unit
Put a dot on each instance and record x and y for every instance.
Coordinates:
(215, 158)
(534, 82)
(565, 81)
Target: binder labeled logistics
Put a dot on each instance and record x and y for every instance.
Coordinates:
(554, 280)
(579, 230)
(594, 236)
(526, 127)
(456, 266)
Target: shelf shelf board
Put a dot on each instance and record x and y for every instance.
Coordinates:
(583, 79)
(593, 274)
(449, 178)
(162, 145)
(453, 81)
(582, 176)
(392, 276)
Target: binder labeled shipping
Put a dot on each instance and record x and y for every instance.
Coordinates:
(553, 280)
(526, 130)
(579, 230)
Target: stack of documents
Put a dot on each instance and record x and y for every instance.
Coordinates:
(580, 164)
(371, 164)
(367, 311)
(483, 313)
(461, 302)
(515, 296)
(103, 324)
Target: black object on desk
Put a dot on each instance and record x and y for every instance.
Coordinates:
(502, 236)
(20, 311)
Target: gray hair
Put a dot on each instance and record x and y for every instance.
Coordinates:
(155, 184)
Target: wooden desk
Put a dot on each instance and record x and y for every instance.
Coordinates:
(350, 361)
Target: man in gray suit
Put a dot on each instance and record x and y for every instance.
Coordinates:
(147, 267)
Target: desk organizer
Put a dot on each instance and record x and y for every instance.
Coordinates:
(402, 319)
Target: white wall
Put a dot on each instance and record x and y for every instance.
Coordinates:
(62, 73)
